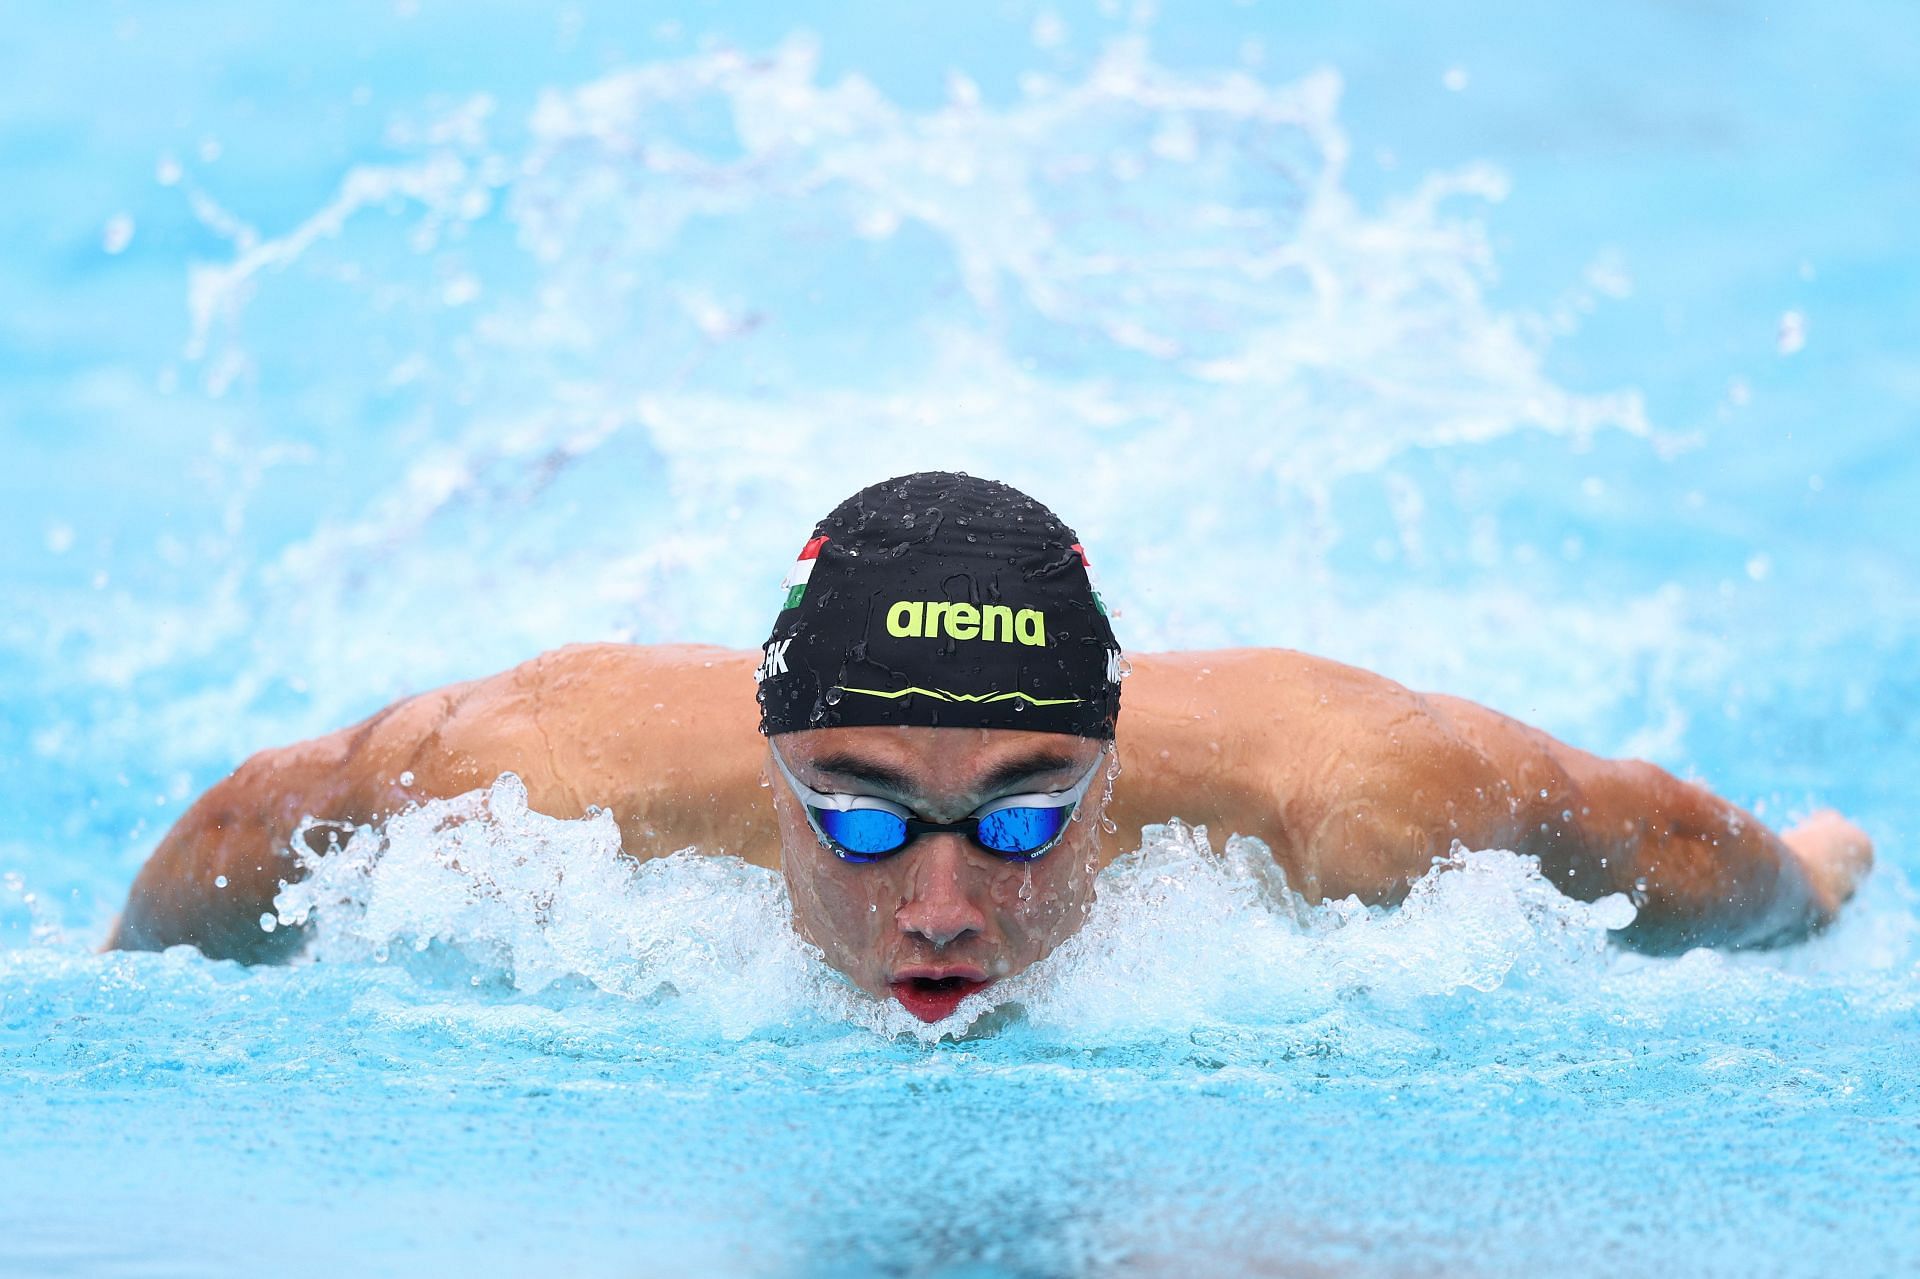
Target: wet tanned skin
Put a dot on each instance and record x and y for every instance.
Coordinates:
(1355, 782)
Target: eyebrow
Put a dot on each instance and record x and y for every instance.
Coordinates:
(858, 768)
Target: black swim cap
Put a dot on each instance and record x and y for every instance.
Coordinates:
(942, 600)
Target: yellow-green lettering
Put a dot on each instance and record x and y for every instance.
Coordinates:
(929, 619)
(903, 620)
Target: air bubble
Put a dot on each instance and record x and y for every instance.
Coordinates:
(268, 923)
(219, 881)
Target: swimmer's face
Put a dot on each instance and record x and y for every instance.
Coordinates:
(941, 917)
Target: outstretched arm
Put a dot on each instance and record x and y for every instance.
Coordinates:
(216, 872)
(1358, 783)
(663, 737)
(1702, 871)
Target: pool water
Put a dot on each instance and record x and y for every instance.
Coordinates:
(1563, 361)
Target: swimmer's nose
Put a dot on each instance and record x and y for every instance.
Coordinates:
(938, 907)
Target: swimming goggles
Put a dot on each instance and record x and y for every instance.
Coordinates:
(864, 828)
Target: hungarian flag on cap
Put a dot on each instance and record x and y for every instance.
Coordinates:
(795, 584)
(1093, 583)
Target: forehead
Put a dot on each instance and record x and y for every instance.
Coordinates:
(938, 758)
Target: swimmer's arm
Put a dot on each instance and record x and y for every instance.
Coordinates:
(216, 872)
(1702, 871)
(663, 737)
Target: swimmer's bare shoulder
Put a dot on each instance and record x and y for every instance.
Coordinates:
(1351, 779)
(1358, 783)
(661, 736)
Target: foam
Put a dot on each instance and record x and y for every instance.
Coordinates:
(1180, 936)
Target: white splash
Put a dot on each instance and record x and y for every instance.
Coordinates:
(536, 899)
(1180, 936)
(631, 397)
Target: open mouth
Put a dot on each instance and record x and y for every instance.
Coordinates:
(931, 998)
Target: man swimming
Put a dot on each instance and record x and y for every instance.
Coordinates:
(939, 709)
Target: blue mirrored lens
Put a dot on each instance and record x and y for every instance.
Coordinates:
(1022, 830)
(864, 832)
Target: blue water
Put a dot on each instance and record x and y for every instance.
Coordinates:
(1562, 359)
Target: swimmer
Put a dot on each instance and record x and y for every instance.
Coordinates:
(941, 757)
